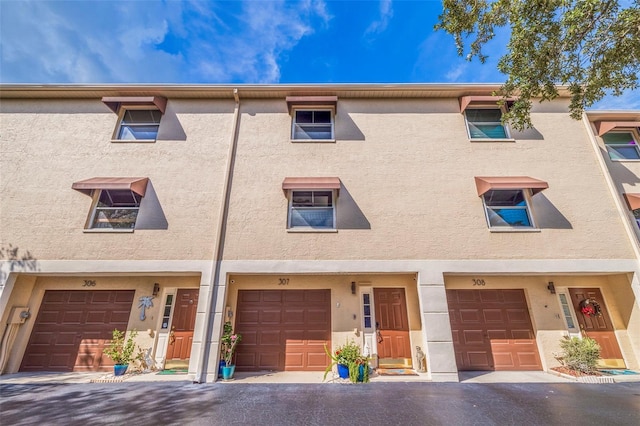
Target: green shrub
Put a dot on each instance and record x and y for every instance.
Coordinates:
(580, 354)
(119, 351)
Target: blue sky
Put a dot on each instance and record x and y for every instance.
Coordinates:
(253, 42)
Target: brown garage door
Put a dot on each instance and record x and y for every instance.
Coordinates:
(492, 330)
(71, 328)
(283, 329)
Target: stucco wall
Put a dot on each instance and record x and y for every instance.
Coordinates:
(49, 144)
(407, 169)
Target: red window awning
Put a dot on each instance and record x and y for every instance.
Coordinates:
(603, 127)
(135, 184)
(633, 201)
(310, 183)
(114, 103)
(465, 101)
(487, 183)
(319, 101)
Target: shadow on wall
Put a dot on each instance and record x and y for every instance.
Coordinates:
(170, 127)
(527, 134)
(347, 130)
(151, 215)
(547, 215)
(14, 261)
(349, 214)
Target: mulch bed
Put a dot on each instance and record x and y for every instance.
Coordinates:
(573, 373)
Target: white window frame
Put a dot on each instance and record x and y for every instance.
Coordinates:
(331, 110)
(526, 192)
(95, 209)
(119, 126)
(507, 131)
(634, 136)
(575, 330)
(310, 228)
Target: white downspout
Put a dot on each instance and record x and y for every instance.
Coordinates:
(207, 338)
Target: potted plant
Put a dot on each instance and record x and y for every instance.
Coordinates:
(229, 342)
(349, 362)
(121, 352)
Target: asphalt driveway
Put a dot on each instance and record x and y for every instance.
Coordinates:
(184, 403)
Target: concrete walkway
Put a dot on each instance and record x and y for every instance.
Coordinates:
(293, 377)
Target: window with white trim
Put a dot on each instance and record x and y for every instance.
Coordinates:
(312, 210)
(507, 208)
(621, 145)
(312, 124)
(115, 209)
(138, 124)
(485, 123)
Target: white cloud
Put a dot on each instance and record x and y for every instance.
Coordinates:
(386, 13)
(629, 100)
(137, 42)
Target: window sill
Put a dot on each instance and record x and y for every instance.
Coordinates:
(506, 229)
(625, 160)
(313, 141)
(509, 140)
(133, 140)
(311, 230)
(108, 231)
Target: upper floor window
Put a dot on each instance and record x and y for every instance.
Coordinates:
(312, 209)
(116, 201)
(138, 124)
(506, 200)
(138, 116)
(312, 202)
(115, 209)
(312, 124)
(485, 123)
(507, 208)
(621, 145)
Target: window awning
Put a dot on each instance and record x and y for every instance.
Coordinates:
(135, 184)
(310, 183)
(487, 183)
(465, 101)
(328, 101)
(114, 103)
(603, 127)
(633, 201)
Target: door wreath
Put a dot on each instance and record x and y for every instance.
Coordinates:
(590, 307)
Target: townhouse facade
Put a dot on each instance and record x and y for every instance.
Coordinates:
(397, 216)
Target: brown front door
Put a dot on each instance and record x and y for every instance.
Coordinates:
(597, 327)
(72, 329)
(492, 330)
(392, 323)
(184, 319)
(283, 329)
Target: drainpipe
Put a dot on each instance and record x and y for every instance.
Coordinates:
(205, 348)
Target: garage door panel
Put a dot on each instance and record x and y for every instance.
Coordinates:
(501, 339)
(269, 337)
(515, 316)
(493, 316)
(270, 316)
(470, 337)
(525, 335)
(292, 327)
(249, 316)
(470, 316)
(101, 297)
(294, 316)
(70, 331)
(479, 360)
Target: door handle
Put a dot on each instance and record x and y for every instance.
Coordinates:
(172, 337)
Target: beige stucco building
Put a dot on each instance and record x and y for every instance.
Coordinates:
(397, 216)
